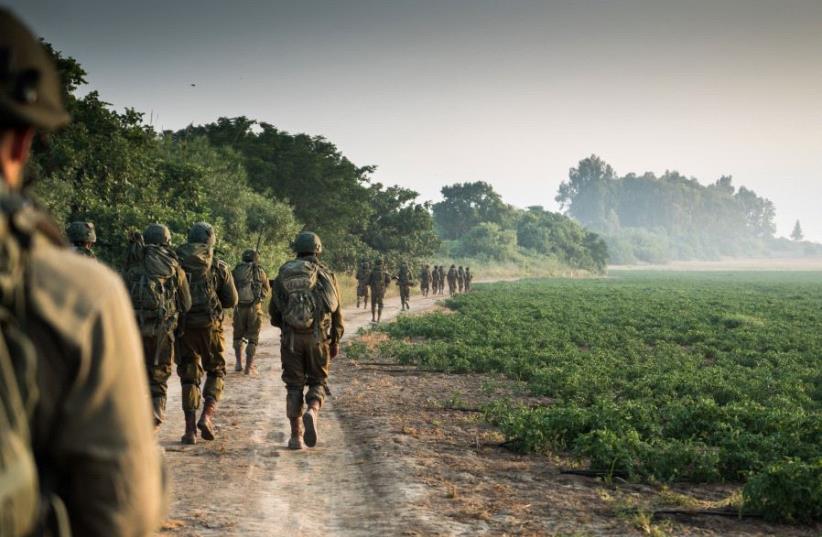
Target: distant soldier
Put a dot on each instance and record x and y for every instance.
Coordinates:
(441, 272)
(378, 281)
(252, 289)
(363, 273)
(468, 279)
(72, 382)
(461, 279)
(425, 280)
(201, 347)
(405, 280)
(82, 237)
(452, 280)
(306, 307)
(159, 293)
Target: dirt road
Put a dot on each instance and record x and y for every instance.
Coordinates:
(248, 483)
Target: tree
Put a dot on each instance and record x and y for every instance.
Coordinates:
(466, 205)
(586, 194)
(797, 234)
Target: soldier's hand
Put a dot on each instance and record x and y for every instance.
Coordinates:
(334, 349)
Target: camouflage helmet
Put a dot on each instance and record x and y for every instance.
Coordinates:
(30, 92)
(81, 232)
(157, 234)
(202, 232)
(251, 256)
(378, 261)
(307, 242)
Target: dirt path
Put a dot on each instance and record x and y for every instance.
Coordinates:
(248, 483)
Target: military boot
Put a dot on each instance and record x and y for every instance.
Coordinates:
(250, 351)
(238, 353)
(158, 405)
(206, 426)
(296, 440)
(310, 419)
(190, 436)
(373, 314)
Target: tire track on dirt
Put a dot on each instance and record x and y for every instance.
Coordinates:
(248, 483)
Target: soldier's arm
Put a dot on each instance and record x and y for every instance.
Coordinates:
(227, 290)
(184, 298)
(274, 305)
(266, 288)
(337, 323)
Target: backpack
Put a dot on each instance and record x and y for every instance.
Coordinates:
(248, 279)
(19, 489)
(198, 261)
(152, 284)
(310, 294)
(377, 280)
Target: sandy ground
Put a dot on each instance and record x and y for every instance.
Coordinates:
(401, 452)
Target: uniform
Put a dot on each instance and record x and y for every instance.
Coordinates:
(89, 419)
(378, 281)
(306, 351)
(252, 289)
(405, 281)
(363, 272)
(461, 279)
(452, 280)
(441, 272)
(200, 349)
(469, 278)
(425, 280)
(83, 236)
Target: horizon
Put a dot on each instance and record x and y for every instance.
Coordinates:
(434, 94)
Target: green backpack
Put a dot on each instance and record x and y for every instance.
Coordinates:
(19, 489)
(310, 293)
(198, 261)
(248, 278)
(152, 284)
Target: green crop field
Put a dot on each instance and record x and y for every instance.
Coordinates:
(700, 377)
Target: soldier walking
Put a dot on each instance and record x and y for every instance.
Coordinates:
(306, 307)
(363, 273)
(87, 437)
(461, 279)
(252, 289)
(442, 279)
(452, 280)
(158, 286)
(83, 237)
(405, 281)
(468, 279)
(378, 281)
(425, 280)
(201, 345)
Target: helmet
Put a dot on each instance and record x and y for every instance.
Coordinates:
(308, 243)
(29, 84)
(81, 232)
(378, 261)
(157, 234)
(202, 232)
(251, 256)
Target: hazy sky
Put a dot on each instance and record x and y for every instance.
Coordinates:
(513, 93)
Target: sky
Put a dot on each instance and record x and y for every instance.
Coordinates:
(513, 93)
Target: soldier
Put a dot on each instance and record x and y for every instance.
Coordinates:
(82, 236)
(461, 279)
(306, 307)
(452, 280)
(252, 288)
(378, 281)
(363, 272)
(425, 279)
(159, 293)
(201, 345)
(468, 279)
(442, 279)
(405, 281)
(96, 459)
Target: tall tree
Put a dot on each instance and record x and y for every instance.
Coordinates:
(797, 234)
(465, 205)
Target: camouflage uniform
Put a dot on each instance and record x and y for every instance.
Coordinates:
(442, 279)
(306, 353)
(468, 279)
(82, 236)
(90, 426)
(405, 281)
(425, 280)
(378, 281)
(461, 279)
(158, 341)
(248, 315)
(363, 272)
(452, 280)
(200, 348)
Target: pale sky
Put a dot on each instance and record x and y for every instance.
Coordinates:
(513, 93)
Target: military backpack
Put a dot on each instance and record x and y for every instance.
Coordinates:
(151, 280)
(248, 277)
(199, 264)
(310, 293)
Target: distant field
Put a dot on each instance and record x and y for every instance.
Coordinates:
(766, 264)
(660, 376)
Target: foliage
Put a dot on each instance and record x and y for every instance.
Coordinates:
(466, 205)
(653, 219)
(663, 376)
(797, 234)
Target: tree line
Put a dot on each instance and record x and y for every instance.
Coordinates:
(259, 185)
